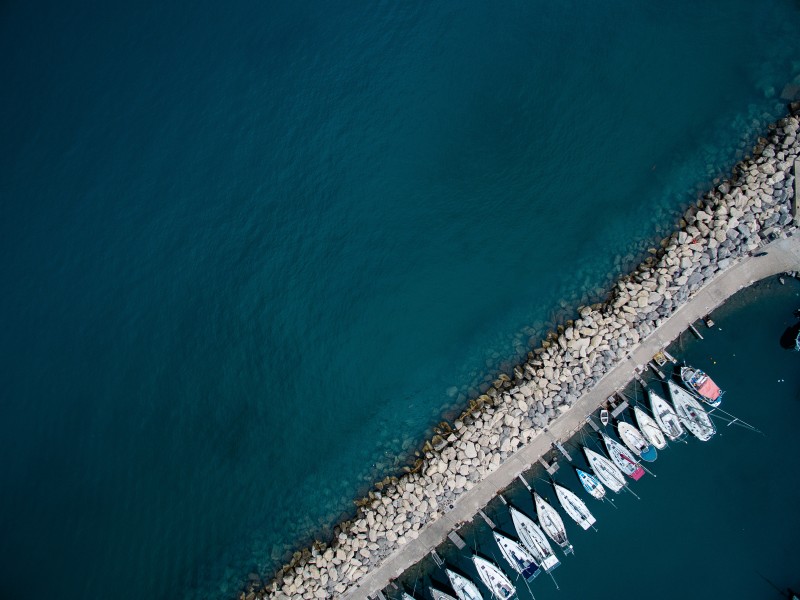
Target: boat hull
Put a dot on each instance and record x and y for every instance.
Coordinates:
(649, 428)
(534, 540)
(494, 579)
(624, 461)
(691, 414)
(665, 416)
(701, 385)
(605, 470)
(636, 442)
(591, 484)
(574, 507)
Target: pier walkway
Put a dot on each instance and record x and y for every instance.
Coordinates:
(783, 255)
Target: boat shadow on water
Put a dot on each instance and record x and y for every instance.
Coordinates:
(789, 337)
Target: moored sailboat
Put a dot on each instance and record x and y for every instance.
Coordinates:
(606, 471)
(591, 484)
(649, 428)
(439, 595)
(636, 442)
(551, 523)
(691, 414)
(463, 587)
(520, 559)
(493, 578)
(534, 539)
(665, 416)
(574, 507)
(622, 458)
(702, 385)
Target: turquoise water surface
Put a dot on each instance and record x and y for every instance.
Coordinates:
(251, 252)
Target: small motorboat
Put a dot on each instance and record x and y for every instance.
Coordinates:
(622, 458)
(636, 442)
(606, 471)
(522, 561)
(702, 385)
(551, 523)
(534, 540)
(439, 595)
(493, 578)
(591, 484)
(604, 417)
(406, 596)
(574, 507)
(691, 414)
(463, 587)
(665, 416)
(649, 428)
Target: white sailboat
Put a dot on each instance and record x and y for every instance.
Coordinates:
(522, 561)
(606, 471)
(463, 587)
(623, 459)
(691, 413)
(493, 578)
(665, 416)
(636, 442)
(439, 595)
(574, 507)
(551, 523)
(591, 484)
(649, 428)
(534, 539)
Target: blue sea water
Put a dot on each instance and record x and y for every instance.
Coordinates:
(251, 252)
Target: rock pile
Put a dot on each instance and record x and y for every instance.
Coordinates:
(730, 221)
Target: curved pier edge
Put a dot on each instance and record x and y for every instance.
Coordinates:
(567, 378)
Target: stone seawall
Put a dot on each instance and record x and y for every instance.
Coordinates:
(736, 218)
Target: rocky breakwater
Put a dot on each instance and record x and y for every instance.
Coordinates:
(733, 219)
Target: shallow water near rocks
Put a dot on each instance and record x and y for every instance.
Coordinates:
(248, 248)
(718, 519)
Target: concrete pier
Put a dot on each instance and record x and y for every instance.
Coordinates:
(782, 255)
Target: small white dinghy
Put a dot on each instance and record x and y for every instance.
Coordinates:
(439, 595)
(493, 578)
(636, 442)
(591, 484)
(551, 523)
(522, 561)
(533, 539)
(649, 428)
(691, 413)
(606, 471)
(665, 416)
(574, 507)
(463, 587)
